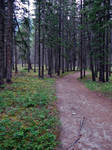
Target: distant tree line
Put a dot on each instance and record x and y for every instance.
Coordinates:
(71, 36)
(14, 38)
(63, 36)
(96, 28)
(55, 36)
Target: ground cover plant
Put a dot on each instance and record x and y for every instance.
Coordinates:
(27, 114)
(105, 88)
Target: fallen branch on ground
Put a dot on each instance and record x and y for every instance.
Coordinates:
(79, 135)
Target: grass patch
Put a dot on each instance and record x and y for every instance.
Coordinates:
(28, 116)
(105, 88)
(67, 73)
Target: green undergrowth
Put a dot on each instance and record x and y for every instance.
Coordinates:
(67, 73)
(28, 116)
(105, 88)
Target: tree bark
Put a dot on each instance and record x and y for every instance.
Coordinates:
(39, 21)
(9, 40)
(1, 43)
(81, 52)
(59, 54)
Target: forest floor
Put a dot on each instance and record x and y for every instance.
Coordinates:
(28, 115)
(86, 116)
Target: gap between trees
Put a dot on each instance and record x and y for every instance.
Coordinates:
(62, 36)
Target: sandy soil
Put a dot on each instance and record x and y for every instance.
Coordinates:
(85, 113)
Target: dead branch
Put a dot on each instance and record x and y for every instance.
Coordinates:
(79, 135)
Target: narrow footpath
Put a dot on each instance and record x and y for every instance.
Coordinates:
(86, 116)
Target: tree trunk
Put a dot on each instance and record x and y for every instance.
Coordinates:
(16, 58)
(43, 41)
(59, 60)
(39, 21)
(81, 52)
(35, 49)
(28, 48)
(1, 42)
(107, 43)
(9, 40)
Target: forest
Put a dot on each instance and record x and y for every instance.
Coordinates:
(49, 48)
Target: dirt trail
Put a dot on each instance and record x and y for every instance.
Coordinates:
(75, 101)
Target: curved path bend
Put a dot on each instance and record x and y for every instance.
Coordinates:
(86, 117)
